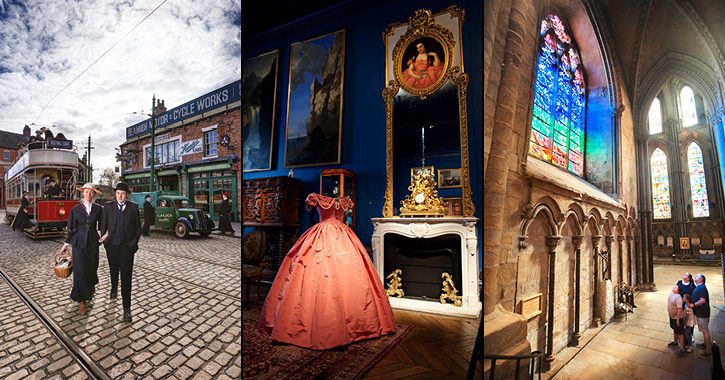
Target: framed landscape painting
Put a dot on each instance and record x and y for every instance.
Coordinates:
(314, 104)
(259, 92)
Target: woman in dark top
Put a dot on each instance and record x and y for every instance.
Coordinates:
(21, 219)
(225, 224)
(688, 286)
(83, 236)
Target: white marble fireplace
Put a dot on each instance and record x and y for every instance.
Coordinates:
(429, 228)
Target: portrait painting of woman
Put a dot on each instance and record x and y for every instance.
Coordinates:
(422, 67)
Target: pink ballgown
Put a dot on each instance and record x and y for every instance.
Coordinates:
(327, 292)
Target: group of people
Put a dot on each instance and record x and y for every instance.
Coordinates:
(688, 305)
(116, 224)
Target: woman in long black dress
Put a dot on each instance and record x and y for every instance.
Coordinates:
(21, 220)
(83, 236)
(224, 224)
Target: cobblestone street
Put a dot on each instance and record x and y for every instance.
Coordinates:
(185, 300)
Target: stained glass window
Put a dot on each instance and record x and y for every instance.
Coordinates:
(660, 185)
(557, 125)
(655, 118)
(700, 207)
(689, 115)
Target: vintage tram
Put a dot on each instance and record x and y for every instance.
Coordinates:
(33, 172)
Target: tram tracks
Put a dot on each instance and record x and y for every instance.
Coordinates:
(75, 351)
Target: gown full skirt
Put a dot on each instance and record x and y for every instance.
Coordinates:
(327, 292)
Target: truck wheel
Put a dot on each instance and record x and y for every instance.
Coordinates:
(181, 230)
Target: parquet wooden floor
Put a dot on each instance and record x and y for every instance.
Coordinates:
(438, 347)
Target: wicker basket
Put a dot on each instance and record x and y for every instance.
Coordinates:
(63, 272)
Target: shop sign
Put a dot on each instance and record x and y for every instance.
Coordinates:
(140, 175)
(228, 94)
(209, 167)
(123, 157)
(191, 147)
(167, 172)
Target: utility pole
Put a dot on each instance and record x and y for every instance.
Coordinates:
(89, 170)
(153, 140)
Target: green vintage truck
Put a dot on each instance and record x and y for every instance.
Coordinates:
(177, 213)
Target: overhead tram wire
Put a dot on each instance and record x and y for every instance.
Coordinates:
(99, 58)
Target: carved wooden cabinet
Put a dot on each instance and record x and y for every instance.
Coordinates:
(272, 205)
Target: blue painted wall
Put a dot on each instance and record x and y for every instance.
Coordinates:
(363, 127)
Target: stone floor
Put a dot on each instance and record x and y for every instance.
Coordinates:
(636, 348)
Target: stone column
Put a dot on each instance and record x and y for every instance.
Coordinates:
(496, 178)
(607, 273)
(630, 278)
(637, 261)
(620, 265)
(596, 318)
(550, 358)
(576, 242)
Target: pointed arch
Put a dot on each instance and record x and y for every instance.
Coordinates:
(698, 185)
(660, 185)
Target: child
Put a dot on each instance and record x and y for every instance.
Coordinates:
(689, 322)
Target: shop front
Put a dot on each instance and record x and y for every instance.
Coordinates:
(168, 181)
(138, 182)
(207, 183)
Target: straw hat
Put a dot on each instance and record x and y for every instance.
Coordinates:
(89, 185)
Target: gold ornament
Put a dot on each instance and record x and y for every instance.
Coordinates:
(449, 291)
(423, 198)
(394, 286)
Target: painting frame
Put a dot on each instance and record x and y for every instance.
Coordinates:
(258, 133)
(314, 137)
(444, 26)
(447, 178)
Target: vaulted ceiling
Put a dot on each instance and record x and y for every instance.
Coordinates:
(657, 39)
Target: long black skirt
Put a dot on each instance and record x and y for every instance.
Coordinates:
(21, 221)
(85, 273)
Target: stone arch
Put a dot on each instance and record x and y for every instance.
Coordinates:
(549, 209)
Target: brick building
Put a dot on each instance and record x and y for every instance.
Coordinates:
(197, 150)
(8, 154)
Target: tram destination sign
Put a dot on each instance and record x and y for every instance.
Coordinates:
(217, 98)
(64, 144)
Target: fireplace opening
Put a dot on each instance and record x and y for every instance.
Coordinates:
(422, 262)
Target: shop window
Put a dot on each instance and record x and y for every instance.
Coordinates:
(210, 143)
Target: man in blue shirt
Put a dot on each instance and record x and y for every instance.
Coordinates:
(701, 300)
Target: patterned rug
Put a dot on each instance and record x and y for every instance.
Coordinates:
(265, 360)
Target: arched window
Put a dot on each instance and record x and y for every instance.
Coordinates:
(700, 207)
(660, 185)
(689, 114)
(655, 118)
(557, 125)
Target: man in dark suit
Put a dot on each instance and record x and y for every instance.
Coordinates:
(149, 215)
(53, 190)
(121, 230)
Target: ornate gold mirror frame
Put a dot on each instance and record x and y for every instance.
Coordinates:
(422, 25)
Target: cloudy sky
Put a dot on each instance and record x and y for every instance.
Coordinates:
(182, 51)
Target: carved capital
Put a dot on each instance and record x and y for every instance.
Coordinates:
(620, 238)
(636, 239)
(630, 238)
(523, 244)
(595, 241)
(617, 112)
(552, 242)
(527, 211)
(576, 241)
(608, 240)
